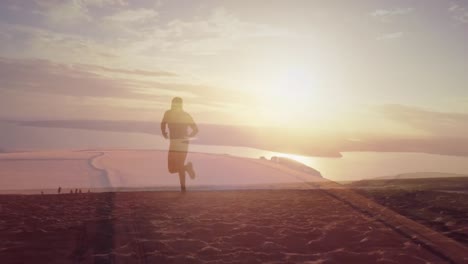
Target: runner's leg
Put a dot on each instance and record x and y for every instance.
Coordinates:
(176, 160)
(182, 155)
(172, 161)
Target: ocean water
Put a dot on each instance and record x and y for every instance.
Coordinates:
(352, 166)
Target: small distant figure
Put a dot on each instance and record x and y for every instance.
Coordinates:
(178, 122)
(59, 190)
(76, 190)
(89, 191)
(71, 191)
(79, 191)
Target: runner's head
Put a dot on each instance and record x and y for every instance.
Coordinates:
(176, 103)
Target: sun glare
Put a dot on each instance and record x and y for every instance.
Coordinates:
(287, 95)
(309, 161)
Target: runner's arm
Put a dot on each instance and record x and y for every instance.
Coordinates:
(163, 126)
(194, 128)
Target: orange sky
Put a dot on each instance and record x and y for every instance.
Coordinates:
(377, 72)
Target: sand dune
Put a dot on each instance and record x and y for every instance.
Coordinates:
(149, 168)
(48, 170)
(136, 169)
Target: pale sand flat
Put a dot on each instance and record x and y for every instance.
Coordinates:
(48, 170)
(149, 168)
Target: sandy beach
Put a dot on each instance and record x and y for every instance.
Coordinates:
(438, 203)
(303, 219)
(252, 226)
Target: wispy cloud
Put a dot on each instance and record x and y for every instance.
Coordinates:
(40, 76)
(431, 122)
(28, 82)
(459, 13)
(388, 15)
(443, 133)
(220, 31)
(133, 16)
(127, 71)
(131, 36)
(37, 42)
(72, 12)
(68, 13)
(391, 15)
(390, 36)
(102, 3)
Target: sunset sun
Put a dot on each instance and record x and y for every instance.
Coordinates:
(286, 95)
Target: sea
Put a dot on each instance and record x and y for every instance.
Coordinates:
(351, 166)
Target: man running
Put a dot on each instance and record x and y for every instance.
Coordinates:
(178, 122)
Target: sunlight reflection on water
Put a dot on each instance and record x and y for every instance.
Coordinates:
(352, 166)
(357, 165)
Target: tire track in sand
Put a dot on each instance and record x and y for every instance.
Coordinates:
(104, 246)
(103, 173)
(95, 238)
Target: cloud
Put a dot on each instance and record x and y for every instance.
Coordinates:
(135, 36)
(42, 76)
(102, 3)
(36, 42)
(27, 105)
(46, 77)
(83, 3)
(28, 82)
(459, 13)
(72, 12)
(390, 36)
(388, 15)
(64, 12)
(439, 133)
(133, 16)
(438, 124)
(68, 13)
(96, 68)
(220, 31)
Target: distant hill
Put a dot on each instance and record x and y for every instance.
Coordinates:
(420, 175)
(417, 180)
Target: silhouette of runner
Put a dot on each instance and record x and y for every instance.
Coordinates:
(178, 122)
